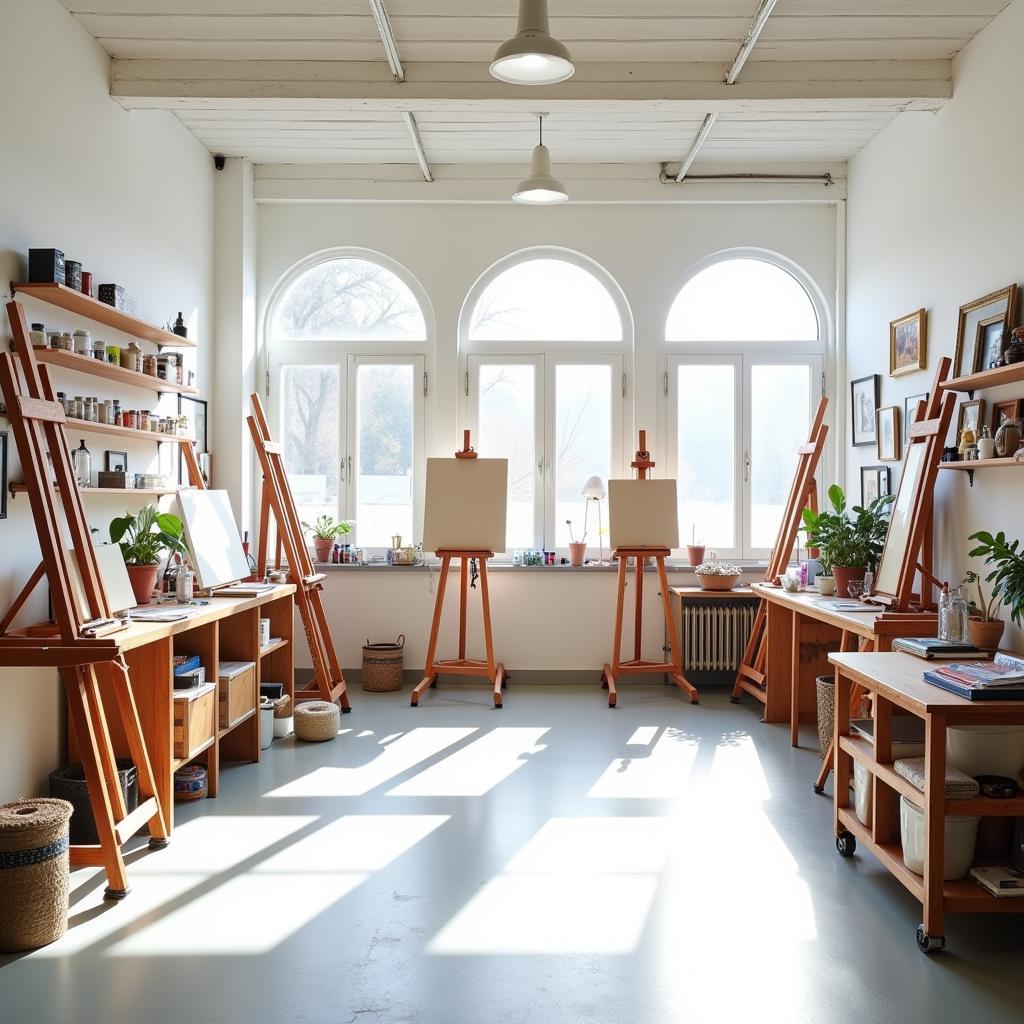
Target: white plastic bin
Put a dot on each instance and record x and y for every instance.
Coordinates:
(986, 749)
(284, 726)
(905, 744)
(266, 726)
(961, 836)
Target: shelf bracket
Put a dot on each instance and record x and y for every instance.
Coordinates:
(970, 477)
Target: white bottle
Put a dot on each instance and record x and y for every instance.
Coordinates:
(944, 613)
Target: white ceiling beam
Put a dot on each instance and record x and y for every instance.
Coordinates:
(417, 144)
(750, 40)
(387, 38)
(705, 130)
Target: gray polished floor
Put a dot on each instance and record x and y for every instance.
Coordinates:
(554, 861)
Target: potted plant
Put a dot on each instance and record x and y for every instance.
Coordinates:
(694, 551)
(1007, 579)
(144, 538)
(577, 548)
(716, 575)
(324, 531)
(850, 541)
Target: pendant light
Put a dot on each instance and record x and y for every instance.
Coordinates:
(532, 56)
(540, 188)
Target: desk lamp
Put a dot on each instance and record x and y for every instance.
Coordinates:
(594, 490)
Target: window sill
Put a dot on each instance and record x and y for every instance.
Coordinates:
(674, 568)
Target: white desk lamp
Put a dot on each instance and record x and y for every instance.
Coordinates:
(594, 490)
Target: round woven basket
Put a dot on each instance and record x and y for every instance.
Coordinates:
(34, 869)
(317, 721)
(383, 665)
(825, 687)
(191, 783)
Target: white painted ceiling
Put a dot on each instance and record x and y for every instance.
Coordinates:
(158, 40)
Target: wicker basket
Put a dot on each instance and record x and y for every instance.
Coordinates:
(383, 665)
(317, 721)
(825, 687)
(33, 873)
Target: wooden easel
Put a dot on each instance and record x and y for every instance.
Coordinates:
(328, 682)
(493, 672)
(77, 641)
(750, 676)
(643, 463)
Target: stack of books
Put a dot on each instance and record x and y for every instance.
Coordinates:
(1000, 679)
(931, 647)
(1000, 881)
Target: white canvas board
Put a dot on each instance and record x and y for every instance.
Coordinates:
(466, 504)
(643, 513)
(113, 575)
(897, 537)
(212, 537)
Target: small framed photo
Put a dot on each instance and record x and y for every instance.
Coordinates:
(910, 411)
(115, 462)
(874, 483)
(990, 342)
(908, 339)
(970, 417)
(864, 397)
(1002, 411)
(979, 322)
(888, 432)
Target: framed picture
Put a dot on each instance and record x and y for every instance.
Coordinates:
(195, 411)
(3, 474)
(864, 396)
(909, 410)
(1001, 411)
(990, 342)
(908, 339)
(888, 433)
(874, 482)
(970, 417)
(115, 462)
(978, 323)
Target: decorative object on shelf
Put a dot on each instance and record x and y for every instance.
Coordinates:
(316, 721)
(874, 483)
(144, 538)
(717, 575)
(970, 418)
(1002, 411)
(983, 628)
(993, 341)
(115, 462)
(1015, 352)
(864, 399)
(86, 288)
(1007, 575)
(1008, 438)
(46, 266)
(986, 444)
(594, 491)
(81, 461)
(908, 339)
(324, 531)
(888, 434)
(977, 320)
(3, 473)
(577, 548)
(179, 327)
(694, 551)
(73, 275)
(115, 295)
(910, 404)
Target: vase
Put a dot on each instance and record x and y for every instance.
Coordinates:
(322, 546)
(826, 585)
(985, 635)
(844, 575)
(577, 552)
(143, 581)
(695, 553)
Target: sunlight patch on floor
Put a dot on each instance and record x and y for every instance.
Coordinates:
(643, 736)
(655, 774)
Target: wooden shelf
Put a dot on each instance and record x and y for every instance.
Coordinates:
(146, 492)
(970, 467)
(108, 371)
(1012, 374)
(275, 645)
(178, 762)
(128, 433)
(222, 731)
(85, 305)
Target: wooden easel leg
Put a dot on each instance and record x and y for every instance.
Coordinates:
(494, 672)
(429, 672)
(753, 650)
(676, 674)
(463, 597)
(611, 671)
(638, 608)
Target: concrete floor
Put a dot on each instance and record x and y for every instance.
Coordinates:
(554, 861)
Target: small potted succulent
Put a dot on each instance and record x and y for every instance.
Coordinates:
(1007, 579)
(144, 539)
(717, 575)
(324, 533)
(577, 548)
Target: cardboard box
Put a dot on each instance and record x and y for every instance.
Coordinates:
(195, 719)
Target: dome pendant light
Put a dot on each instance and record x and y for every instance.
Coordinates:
(540, 188)
(532, 56)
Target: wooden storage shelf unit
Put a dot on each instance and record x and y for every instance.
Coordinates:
(127, 433)
(109, 371)
(275, 644)
(99, 312)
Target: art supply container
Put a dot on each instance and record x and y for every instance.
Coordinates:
(986, 749)
(961, 835)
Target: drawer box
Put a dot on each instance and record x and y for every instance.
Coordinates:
(195, 719)
(236, 691)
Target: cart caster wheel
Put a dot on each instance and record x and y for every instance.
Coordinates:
(734, 700)
(115, 895)
(818, 789)
(158, 844)
(846, 844)
(929, 943)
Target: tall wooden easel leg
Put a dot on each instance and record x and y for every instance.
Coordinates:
(611, 672)
(495, 672)
(429, 672)
(638, 608)
(463, 599)
(676, 672)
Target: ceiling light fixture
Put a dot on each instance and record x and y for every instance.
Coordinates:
(532, 56)
(540, 188)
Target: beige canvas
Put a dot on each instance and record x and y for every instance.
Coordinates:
(212, 537)
(643, 513)
(897, 537)
(113, 575)
(466, 504)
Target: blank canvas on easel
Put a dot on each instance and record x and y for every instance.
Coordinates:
(212, 537)
(113, 576)
(643, 514)
(466, 505)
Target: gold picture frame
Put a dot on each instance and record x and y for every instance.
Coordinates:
(971, 414)
(973, 318)
(908, 343)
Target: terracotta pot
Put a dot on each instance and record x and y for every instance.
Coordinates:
(717, 582)
(322, 546)
(143, 581)
(695, 553)
(986, 635)
(577, 552)
(844, 575)
(826, 585)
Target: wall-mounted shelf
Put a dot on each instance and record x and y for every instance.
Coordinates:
(109, 371)
(99, 312)
(970, 467)
(971, 382)
(142, 492)
(73, 426)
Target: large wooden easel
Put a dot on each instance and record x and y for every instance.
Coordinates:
(494, 672)
(750, 676)
(77, 641)
(643, 464)
(328, 681)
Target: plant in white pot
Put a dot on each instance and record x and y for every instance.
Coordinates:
(144, 539)
(1007, 579)
(324, 533)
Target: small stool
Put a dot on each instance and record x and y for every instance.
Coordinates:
(317, 721)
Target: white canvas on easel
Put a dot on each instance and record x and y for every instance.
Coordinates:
(113, 576)
(643, 514)
(466, 505)
(212, 536)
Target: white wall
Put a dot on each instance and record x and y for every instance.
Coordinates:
(131, 196)
(936, 219)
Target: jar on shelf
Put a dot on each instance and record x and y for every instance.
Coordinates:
(79, 408)
(83, 342)
(143, 421)
(181, 426)
(99, 350)
(63, 400)
(67, 341)
(53, 339)
(38, 336)
(149, 366)
(163, 367)
(179, 368)
(131, 357)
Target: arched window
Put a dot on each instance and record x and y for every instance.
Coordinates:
(545, 336)
(745, 362)
(347, 338)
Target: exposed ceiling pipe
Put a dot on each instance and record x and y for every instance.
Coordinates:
(666, 177)
(750, 41)
(705, 130)
(417, 144)
(387, 37)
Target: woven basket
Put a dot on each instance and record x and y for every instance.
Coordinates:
(825, 687)
(383, 665)
(34, 869)
(191, 783)
(317, 721)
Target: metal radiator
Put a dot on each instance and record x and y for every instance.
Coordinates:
(715, 633)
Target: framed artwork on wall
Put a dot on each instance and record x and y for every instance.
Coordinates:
(864, 397)
(115, 462)
(981, 323)
(970, 417)
(909, 411)
(1002, 411)
(908, 339)
(888, 433)
(874, 483)
(195, 410)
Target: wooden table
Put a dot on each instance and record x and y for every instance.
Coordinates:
(896, 682)
(227, 629)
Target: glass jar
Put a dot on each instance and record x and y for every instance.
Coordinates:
(149, 366)
(99, 350)
(38, 336)
(143, 421)
(81, 461)
(83, 342)
(67, 341)
(131, 357)
(53, 339)
(79, 408)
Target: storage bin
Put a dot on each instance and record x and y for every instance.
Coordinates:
(195, 719)
(825, 691)
(961, 835)
(907, 741)
(266, 724)
(69, 784)
(986, 749)
(383, 664)
(236, 691)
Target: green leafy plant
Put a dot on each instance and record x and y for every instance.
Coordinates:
(326, 528)
(852, 539)
(982, 609)
(147, 535)
(1007, 575)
